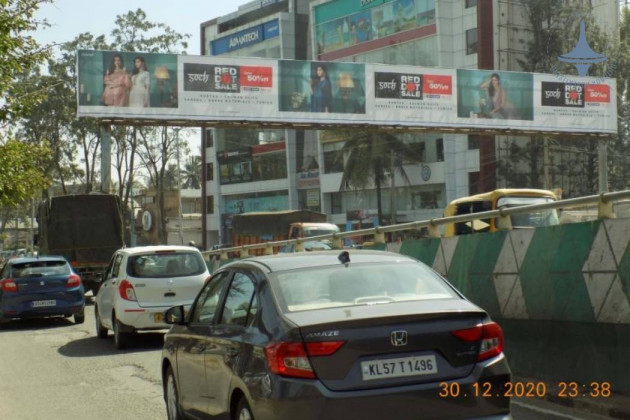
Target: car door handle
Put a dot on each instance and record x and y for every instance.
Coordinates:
(232, 351)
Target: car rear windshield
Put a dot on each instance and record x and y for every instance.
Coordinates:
(358, 284)
(180, 264)
(40, 269)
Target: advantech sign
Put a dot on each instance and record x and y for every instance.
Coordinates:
(128, 85)
(246, 37)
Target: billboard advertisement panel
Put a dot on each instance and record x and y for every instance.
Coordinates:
(125, 85)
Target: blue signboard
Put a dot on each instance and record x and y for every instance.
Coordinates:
(245, 37)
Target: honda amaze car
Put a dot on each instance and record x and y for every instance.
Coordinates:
(38, 287)
(333, 335)
(141, 283)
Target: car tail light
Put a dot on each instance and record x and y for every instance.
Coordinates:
(8, 285)
(323, 348)
(126, 290)
(73, 281)
(491, 336)
(291, 359)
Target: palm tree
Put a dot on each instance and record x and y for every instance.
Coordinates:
(371, 157)
(191, 173)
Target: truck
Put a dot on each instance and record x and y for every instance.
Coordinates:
(259, 227)
(86, 229)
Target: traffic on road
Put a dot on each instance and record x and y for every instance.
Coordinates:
(322, 335)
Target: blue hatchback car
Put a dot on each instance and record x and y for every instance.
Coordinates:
(38, 287)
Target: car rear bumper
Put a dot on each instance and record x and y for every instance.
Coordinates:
(22, 306)
(287, 397)
(137, 318)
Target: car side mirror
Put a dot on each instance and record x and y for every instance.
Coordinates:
(175, 315)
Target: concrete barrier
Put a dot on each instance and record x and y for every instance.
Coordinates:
(561, 294)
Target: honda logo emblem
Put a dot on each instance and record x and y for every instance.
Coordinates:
(399, 338)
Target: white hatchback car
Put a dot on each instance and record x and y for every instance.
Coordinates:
(143, 282)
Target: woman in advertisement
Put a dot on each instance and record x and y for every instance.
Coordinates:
(117, 83)
(499, 106)
(321, 90)
(140, 84)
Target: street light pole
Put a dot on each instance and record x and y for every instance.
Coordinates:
(179, 188)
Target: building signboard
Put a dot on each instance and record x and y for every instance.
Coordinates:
(214, 89)
(245, 38)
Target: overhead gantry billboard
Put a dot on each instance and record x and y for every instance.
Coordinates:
(123, 86)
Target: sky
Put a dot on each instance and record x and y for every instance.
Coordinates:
(69, 18)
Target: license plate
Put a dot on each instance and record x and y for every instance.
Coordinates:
(43, 303)
(399, 367)
(158, 317)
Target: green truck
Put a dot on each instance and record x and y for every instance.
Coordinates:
(86, 229)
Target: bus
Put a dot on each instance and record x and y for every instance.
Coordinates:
(498, 199)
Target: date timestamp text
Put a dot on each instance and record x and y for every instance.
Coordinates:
(525, 390)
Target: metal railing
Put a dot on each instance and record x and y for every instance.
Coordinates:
(604, 202)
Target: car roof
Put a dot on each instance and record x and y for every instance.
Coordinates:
(22, 260)
(154, 248)
(301, 260)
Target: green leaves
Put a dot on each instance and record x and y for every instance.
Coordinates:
(19, 53)
(21, 176)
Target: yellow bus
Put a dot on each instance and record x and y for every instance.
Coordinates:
(495, 200)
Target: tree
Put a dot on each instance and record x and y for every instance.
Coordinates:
(371, 158)
(554, 29)
(156, 148)
(191, 173)
(619, 145)
(133, 32)
(19, 53)
(20, 175)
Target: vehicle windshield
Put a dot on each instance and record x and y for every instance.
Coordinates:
(315, 231)
(358, 284)
(535, 219)
(173, 264)
(40, 269)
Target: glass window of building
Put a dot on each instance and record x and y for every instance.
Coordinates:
(439, 146)
(419, 52)
(210, 171)
(210, 204)
(471, 41)
(335, 203)
(420, 151)
(209, 139)
(473, 183)
(423, 197)
(333, 157)
(471, 3)
(337, 28)
(473, 142)
(269, 166)
(247, 155)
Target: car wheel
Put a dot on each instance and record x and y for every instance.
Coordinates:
(243, 412)
(101, 332)
(171, 396)
(120, 338)
(79, 318)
